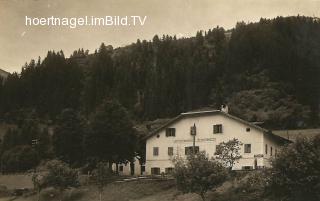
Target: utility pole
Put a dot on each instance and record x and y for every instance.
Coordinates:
(194, 133)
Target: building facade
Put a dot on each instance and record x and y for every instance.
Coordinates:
(134, 168)
(212, 127)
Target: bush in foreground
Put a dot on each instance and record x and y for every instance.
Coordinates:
(198, 174)
(59, 176)
(296, 171)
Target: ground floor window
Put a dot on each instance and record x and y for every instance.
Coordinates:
(155, 170)
(189, 150)
(247, 168)
(121, 168)
(169, 170)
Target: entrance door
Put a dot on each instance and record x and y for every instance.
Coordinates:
(255, 164)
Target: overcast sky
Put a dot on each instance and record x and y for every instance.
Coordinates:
(20, 43)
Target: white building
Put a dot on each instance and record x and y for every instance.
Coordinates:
(130, 169)
(212, 127)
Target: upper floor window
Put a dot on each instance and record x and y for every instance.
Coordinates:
(217, 128)
(247, 148)
(170, 151)
(156, 151)
(170, 132)
(248, 129)
(189, 150)
(271, 151)
(266, 149)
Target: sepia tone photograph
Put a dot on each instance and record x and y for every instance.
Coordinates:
(159, 100)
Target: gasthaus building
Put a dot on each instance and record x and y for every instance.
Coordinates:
(212, 127)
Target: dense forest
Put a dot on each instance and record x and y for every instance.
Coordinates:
(266, 71)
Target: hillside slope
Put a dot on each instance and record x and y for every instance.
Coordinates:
(266, 71)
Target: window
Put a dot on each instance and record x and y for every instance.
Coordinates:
(270, 151)
(121, 168)
(189, 150)
(170, 132)
(155, 170)
(266, 149)
(156, 151)
(143, 168)
(248, 129)
(170, 151)
(217, 128)
(169, 170)
(247, 148)
(275, 152)
(247, 168)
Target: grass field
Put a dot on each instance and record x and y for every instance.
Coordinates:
(138, 190)
(142, 190)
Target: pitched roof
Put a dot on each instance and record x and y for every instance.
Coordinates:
(4, 73)
(293, 134)
(201, 113)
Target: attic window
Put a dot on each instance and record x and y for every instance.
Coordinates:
(248, 129)
(170, 132)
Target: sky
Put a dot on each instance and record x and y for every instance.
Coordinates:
(20, 43)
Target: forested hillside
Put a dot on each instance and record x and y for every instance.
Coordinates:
(266, 71)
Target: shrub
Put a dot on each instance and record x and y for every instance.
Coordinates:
(296, 172)
(198, 174)
(60, 176)
(255, 182)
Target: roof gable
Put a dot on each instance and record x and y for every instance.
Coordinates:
(212, 112)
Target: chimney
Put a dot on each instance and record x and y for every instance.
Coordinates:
(224, 108)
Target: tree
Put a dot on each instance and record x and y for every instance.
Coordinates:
(19, 158)
(10, 139)
(228, 152)
(60, 176)
(37, 183)
(68, 137)
(111, 137)
(197, 174)
(269, 105)
(44, 146)
(102, 176)
(295, 170)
